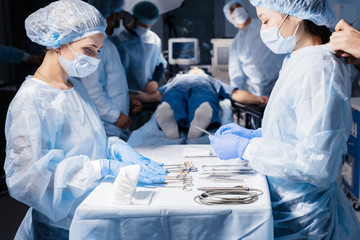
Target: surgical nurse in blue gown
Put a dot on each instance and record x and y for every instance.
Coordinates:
(57, 150)
(252, 66)
(305, 127)
(107, 86)
(140, 49)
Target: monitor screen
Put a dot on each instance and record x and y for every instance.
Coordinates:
(183, 50)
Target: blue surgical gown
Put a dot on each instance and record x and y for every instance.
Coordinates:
(253, 66)
(10, 54)
(52, 137)
(140, 56)
(305, 128)
(186, 92)
(109, 90)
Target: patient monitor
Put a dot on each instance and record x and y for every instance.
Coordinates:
(220, 58)
(184, 51)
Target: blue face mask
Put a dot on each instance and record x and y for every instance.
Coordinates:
(240, 15)
(276, 42)
(141, 31)
(81, 66)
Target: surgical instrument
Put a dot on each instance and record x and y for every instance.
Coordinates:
(225, 173)
(201, 129)
(225, 165)
(238, 195)
(186, 164)
(355, 21)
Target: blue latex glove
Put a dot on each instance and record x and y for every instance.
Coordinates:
(229, 146)
(110, 167)
(233, 128)
(125, 153)
(149, 177)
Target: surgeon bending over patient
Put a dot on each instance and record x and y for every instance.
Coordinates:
(191, 98)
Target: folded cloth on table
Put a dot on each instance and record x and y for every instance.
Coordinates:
(125, 184)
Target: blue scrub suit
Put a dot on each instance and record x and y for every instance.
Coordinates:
(185, 93)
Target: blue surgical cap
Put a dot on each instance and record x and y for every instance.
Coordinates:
(105, 7)
(318, 11)
(63, 22)
(146, 12)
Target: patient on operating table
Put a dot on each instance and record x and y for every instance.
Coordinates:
(190, 99)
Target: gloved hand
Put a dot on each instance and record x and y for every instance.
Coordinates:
(125, 153)
(233, 128)
(111, 167)
(229, 146)
(148, 176)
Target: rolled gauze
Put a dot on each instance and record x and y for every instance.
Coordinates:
(125, 184)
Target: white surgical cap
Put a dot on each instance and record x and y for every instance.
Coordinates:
(63, 22)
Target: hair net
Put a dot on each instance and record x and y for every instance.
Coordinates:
(318, 11)
(146, 12)
(105, 7)
(63, 22)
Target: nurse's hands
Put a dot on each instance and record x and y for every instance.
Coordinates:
(229, 146)
(123, 121)
(151, 171)
(235, 129)
(245, 97)
(345, 42)
(112, 168)
(151, 87)
(135, 106)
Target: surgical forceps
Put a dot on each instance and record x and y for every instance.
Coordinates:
(186, 167)
(185, 179)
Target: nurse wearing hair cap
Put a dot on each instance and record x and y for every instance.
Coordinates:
(57, 151)
(140, 49)
(252, 66)
(305, 127)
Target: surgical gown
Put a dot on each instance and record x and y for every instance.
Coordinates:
(140, 56)
(185, 93)
(52, 137)
(305, 128)
(109, 90)
(252, 65)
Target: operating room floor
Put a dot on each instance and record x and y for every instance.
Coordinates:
(11, 214)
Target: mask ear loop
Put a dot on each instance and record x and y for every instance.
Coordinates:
(71, 49)
(282, 22)
(297, 27)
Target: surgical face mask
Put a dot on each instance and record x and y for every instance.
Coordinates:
(276, 42)
(240, 15)
(141, 31)
(81, 66)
